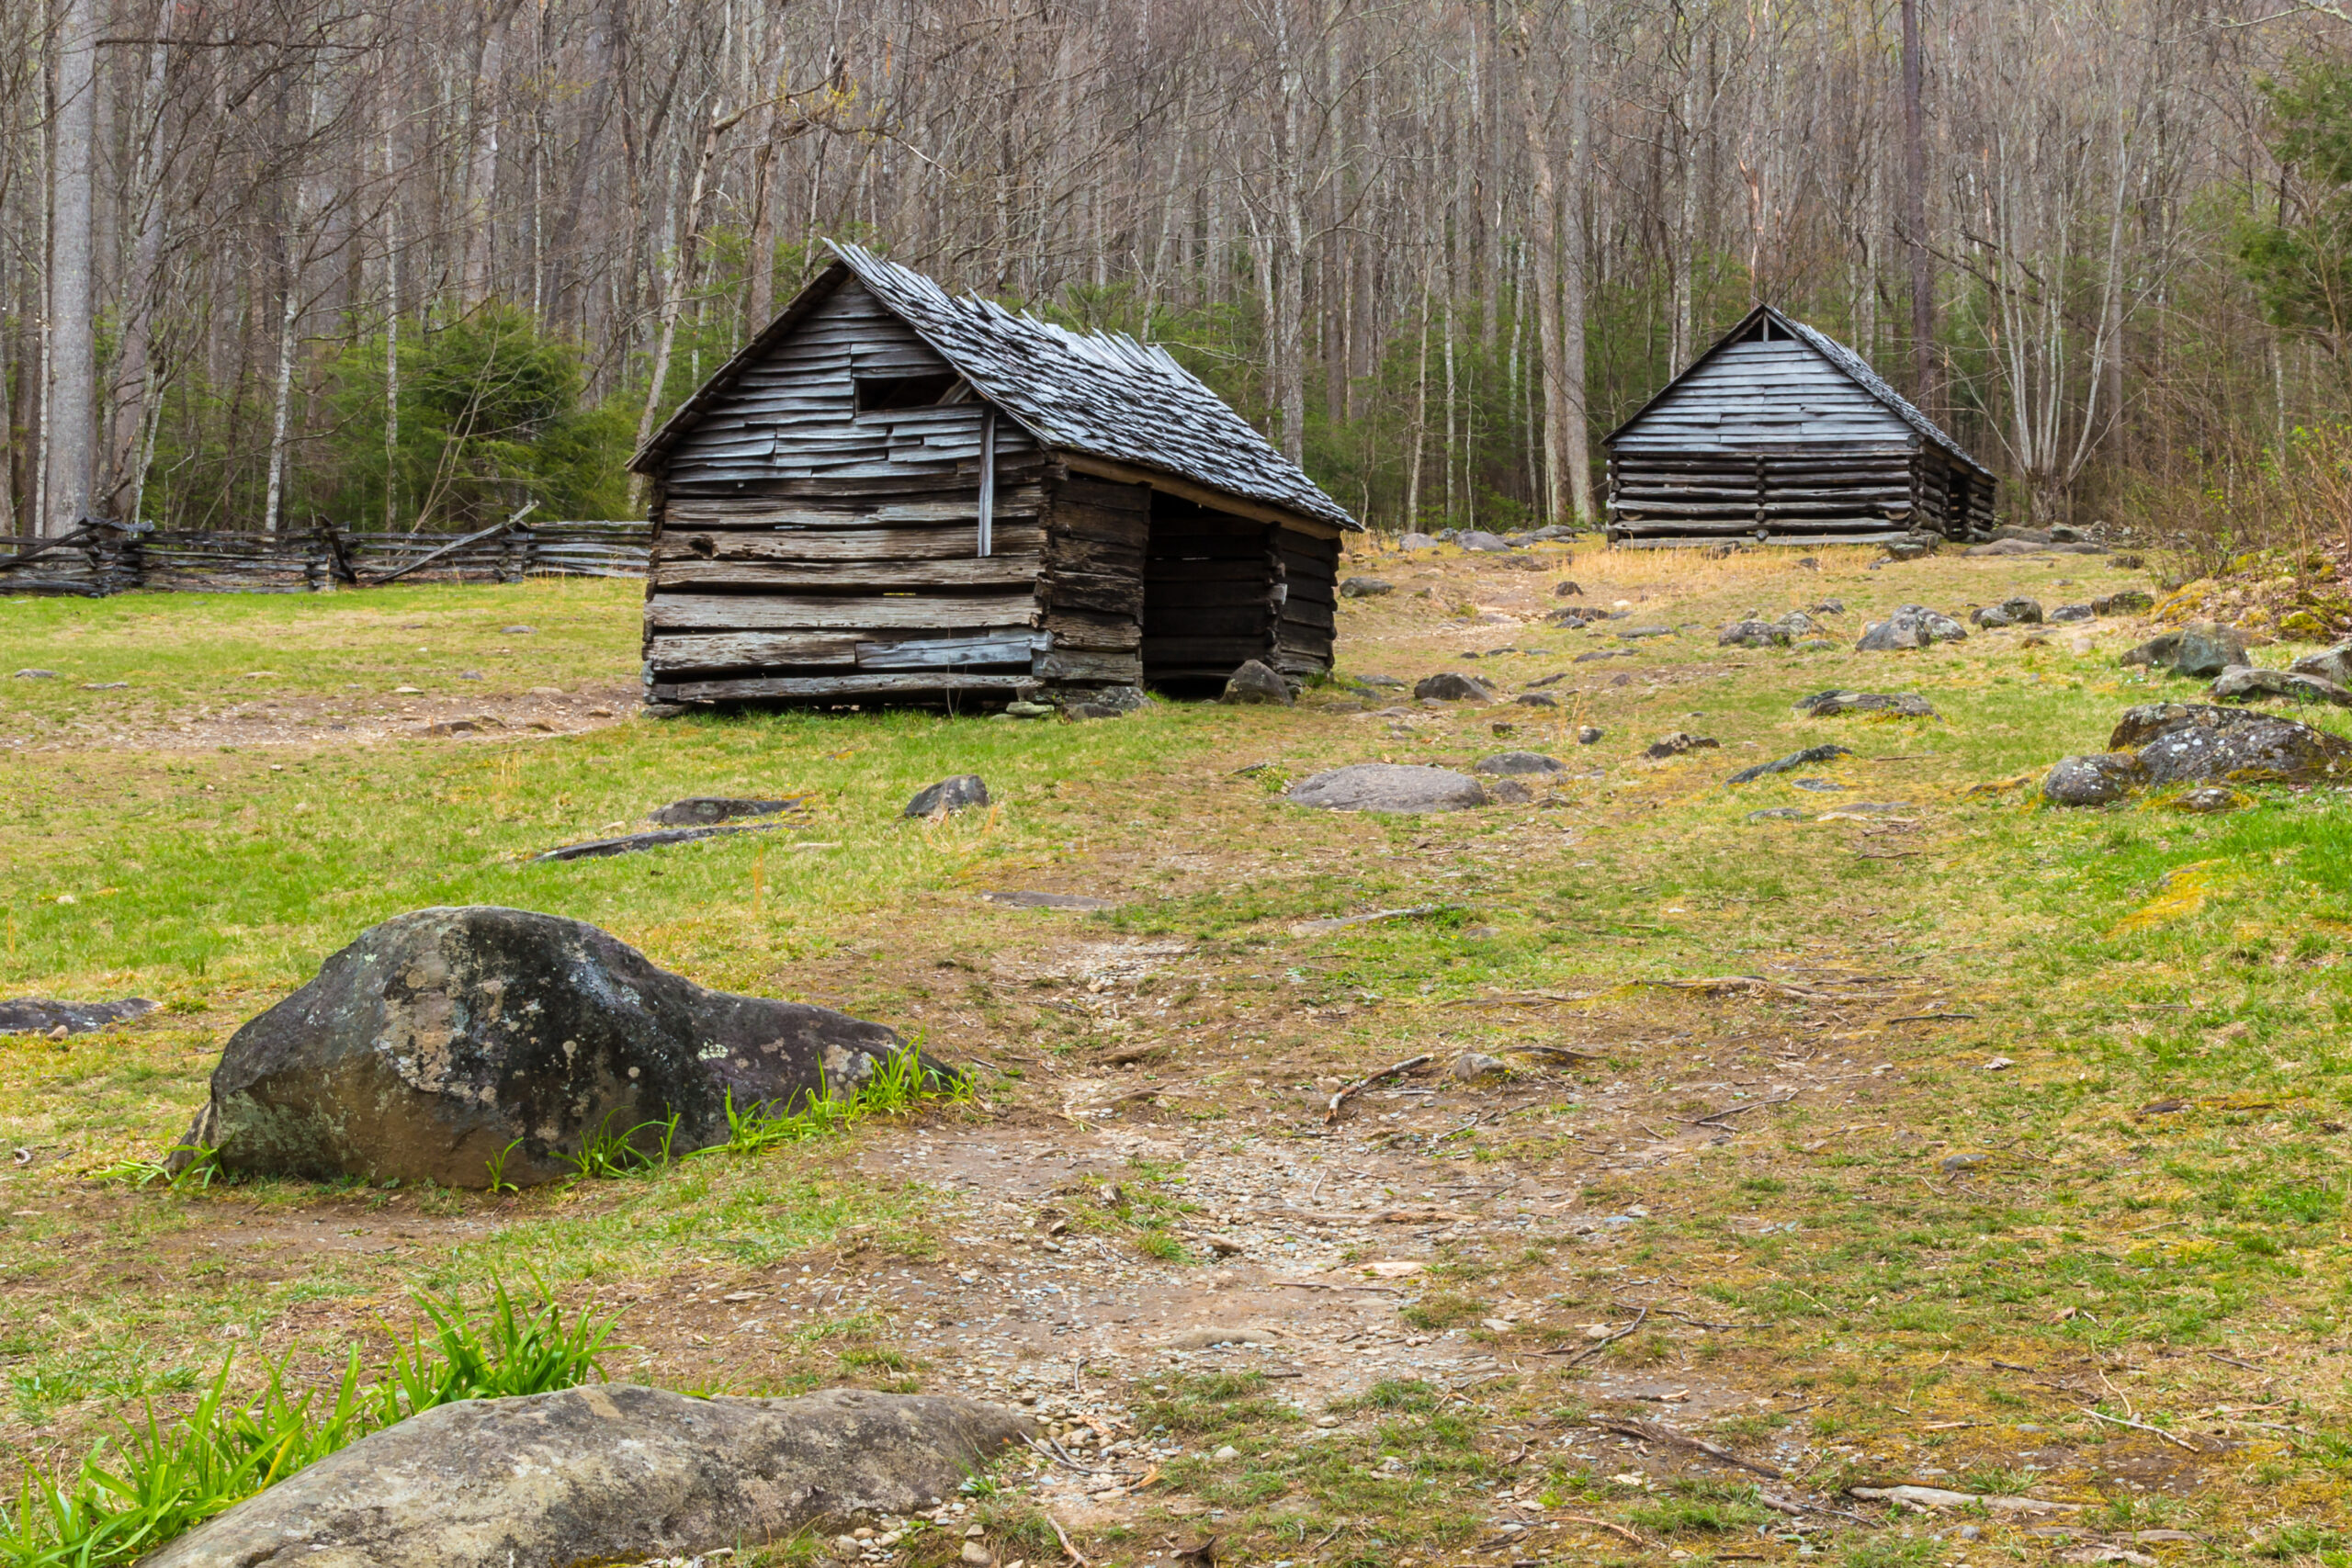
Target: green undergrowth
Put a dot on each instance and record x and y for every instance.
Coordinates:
(161, 1474)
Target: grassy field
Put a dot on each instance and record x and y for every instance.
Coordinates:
(2111, 1268)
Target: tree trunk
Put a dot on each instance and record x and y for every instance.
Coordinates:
(1558, 504)
(681, 275)
(136, 380)
(1576, 442)
(1914, 216)
(68, 411)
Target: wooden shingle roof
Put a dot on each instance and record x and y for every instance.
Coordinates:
(1852, 365)
(1103, 395)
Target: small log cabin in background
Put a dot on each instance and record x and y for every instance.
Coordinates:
(894, 495)
(1780, 434)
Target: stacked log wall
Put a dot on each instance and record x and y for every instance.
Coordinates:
(1090, 584)
(807, 551)
(1305, 633)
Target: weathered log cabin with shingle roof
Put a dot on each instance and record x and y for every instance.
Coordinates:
(1782, 434)
(895, 495)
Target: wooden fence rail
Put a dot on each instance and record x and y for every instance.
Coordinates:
(101, 557)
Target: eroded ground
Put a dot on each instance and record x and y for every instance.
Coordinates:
(1912, 1135)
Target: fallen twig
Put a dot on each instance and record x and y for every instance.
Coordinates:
(1332, 1114)
(1053, 1450)
(1650, 1432)
(1619, 1532)
(2232, 1360)
(2144, 1427)
(1597, 1347)
(1683, 1317)
(1714, 1118)
(1738, 983)
(1932, 1018)
(1063, 1536)
(1326, 1285)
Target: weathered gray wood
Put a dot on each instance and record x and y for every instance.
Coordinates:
(841, 688)
(1015, 538)
(940, 653)
(962, 570)
(761, 612)
(672, 651)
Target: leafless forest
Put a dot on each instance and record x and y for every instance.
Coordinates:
(392, 262)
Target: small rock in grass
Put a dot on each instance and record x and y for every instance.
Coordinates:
(36, 674)
(1509, 792)
(1753, 634)
(2124, 602)
(1449, 687)
(2335, 665)
(39, 1015)
(1565, 589)
(1472, 1067)
(2211, 799)
(1536, 700)
(1365, 587)
(961, 793)
(2068, 614)
(1480, 540)
(2018, 611)
(2248, 684)
(1832, 703)
(1678, 743)
(2100, 779)
(2200, 651)
(1587, 734)
(1021, 711)
(1789, 763)
(1780, 813)
(1256, 682)
(1517, 763)
(1389, 787)
(517, 631)
(1227, 1454)
(1418, 541)
(1821, 785)
(974, 1554)
(1913, 626)
(1646, 631)
(697, 810)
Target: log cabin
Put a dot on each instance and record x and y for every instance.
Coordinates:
(893, 495)
(1780, 434)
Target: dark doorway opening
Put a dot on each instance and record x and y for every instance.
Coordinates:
(1208, 596)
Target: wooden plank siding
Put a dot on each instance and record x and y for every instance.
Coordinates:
(1773, 436)
(806, 549)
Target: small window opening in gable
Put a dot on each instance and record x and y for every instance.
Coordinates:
(876, 393)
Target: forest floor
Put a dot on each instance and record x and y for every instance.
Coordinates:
(1955, 1142)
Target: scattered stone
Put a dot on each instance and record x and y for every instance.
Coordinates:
(1450, 687)
(473, 724)
(1365, 587)
(1389, 787)
(447, 1040)
(2124, 602)
(1027, 900)
(1106, 702)
(610, 1472)
(2200, 651)
(1021, 711)
(35, 675)
(1471, 1068)
(2100, 779)
(517, 631)
(1834, 702)
(1255, 683)
(1860, 810)
(1418, 541)
(1678, 743)
(1789, 763)
(2067, 614)
(1815, 645)
(1509, 792)
(1824, 786)
(1480, 540)
(1599, 654)
(2248, 684)
(2192, 743)
(1566, 589)
(109, 685)
(1631, 632)
(634, 843)
(1518, 762)
(1830, 607)
(2020, 611)
(1913, 626)
(1384, 683)
(2211, 798)
(1753, 634)
(1913, 548)
(2050, 547)
(962, 793)
(1227, 1454)
(1780, 813)
(704, 809)
(40, 1015)
(1536, 700)
(1587, 734)
(2336, 664)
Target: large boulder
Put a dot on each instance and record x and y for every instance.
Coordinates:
(2248, 684)
(1446, 686)
(1913, 626)
(2100, 779)
(1480, 540)
(2194, 743)
(2200, 651)
(447, 1042)
(1388, 786)
(1418, 541)
(1254, 682)
(605, 1473)
(2335, 665)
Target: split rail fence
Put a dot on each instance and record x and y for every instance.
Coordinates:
(102, 558)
